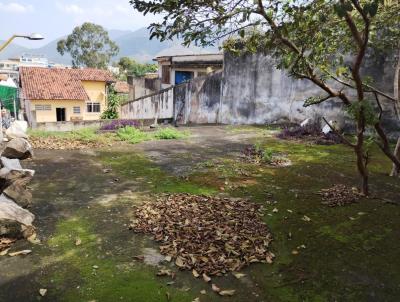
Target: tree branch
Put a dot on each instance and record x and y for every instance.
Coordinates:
(345, 140)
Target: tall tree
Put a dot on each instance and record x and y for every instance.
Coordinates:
(89, 46)
(311, 39)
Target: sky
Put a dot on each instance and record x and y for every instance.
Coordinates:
(57, 18)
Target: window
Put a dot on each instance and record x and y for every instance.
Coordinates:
(165, 74)
(43, 107)
(77, 110)
(93, 107)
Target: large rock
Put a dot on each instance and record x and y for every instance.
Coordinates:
(14, 180)
(17, 130)
(18, 148)
(15, 221)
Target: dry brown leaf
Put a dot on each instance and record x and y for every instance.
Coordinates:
(24, 252)
(179, 262)
(238, 275)
(215, 288)
(227, 292)
(206, 278)
(195, 273)
(4, 252)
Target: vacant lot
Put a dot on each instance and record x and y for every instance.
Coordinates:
(84, 202)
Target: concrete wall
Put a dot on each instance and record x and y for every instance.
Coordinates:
(201, 100)
(250, 90)
(69, 126)
(158, 105)
(255, 92)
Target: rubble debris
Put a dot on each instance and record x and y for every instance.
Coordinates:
(210, 235)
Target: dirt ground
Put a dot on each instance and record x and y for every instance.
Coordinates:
(83, 202)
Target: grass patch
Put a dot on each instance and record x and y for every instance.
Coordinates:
(84, 134)
(134, 135)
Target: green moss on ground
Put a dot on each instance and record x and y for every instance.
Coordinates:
(342, 254)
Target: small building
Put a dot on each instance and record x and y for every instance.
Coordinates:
(57, 95)
(181, 66)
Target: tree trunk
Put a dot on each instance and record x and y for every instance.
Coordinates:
(396, 87)
(396, 170)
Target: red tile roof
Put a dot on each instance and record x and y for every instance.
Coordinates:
(59, 84)
(121, 87)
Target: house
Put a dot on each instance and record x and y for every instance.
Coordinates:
(57, 95)
(176, 66)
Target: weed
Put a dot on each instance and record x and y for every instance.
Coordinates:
(170, 133)
(132, 135)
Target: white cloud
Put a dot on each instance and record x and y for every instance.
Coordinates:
(14, 7)
(71, 9)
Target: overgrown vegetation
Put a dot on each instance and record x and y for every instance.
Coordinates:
(129, 66)
(113, 102)
(133, 135)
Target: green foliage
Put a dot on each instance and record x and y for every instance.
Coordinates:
(267, 155)
(89, 46)
(170, 133)
(365, 108)
(129, 66)
(113, 103)
(133, 135)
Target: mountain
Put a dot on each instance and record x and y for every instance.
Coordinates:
(134, 44)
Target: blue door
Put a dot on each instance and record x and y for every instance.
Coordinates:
(182, 76)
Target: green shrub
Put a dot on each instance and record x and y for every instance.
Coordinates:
(170, 133)
(267, 155)
(132, 135)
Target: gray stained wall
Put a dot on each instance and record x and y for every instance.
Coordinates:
(250, 90)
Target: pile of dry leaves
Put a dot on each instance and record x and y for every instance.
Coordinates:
(208, 235)
(339, 195)
(256, 155)
(56, 143)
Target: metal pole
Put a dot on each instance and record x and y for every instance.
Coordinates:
(15, 110)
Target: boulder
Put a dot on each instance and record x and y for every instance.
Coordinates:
(17, 130)
(15, 221)
(18, 148)
(14, 180)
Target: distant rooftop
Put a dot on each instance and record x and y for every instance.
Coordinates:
(179, 50)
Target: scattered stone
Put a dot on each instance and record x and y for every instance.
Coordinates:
(18, 148)
(208, 234)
